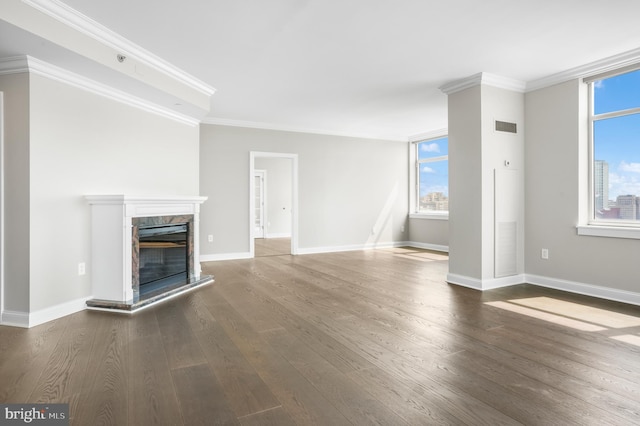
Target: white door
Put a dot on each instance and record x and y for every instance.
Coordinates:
(259, 180)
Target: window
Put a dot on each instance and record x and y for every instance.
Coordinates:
(615, 149)
(432, 176)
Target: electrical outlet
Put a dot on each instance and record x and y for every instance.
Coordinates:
(82, 268)
(544, 253)
(402, 228)
(210, 238)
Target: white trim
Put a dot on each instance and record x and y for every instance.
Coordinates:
(429, 216)
(432, 134)
(87, 26)
(611, 63)
(485, 284)
(286, 128)
(609, 231)
(278, 235)
(225, 256)
(486, 79)
(353, 247)
(16, 65)
(28, 320)
(428, 246)
(14, 319)
(624, 296)
(58, 311)
(294, 196)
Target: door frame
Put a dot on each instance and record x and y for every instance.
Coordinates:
(262, 174)
(294, 196)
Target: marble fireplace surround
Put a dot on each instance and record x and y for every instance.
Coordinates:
(115, 220)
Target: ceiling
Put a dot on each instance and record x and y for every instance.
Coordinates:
(358, 67)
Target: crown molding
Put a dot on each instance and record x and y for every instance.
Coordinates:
(285, 128)
(24, 64)
(87, 26)
(431, 134)
(486, 79)
(611, 63)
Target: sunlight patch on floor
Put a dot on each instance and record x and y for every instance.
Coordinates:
(546, 316)
(576, 316)
(628, 338)
(580, 312)
(417, 254)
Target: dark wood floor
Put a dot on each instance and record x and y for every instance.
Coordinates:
(365, 337)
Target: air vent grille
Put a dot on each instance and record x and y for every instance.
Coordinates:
(504, 126)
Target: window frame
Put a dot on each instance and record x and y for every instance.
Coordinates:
(415, 164)
(600, 227)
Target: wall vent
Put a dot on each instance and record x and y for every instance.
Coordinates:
(504, 126)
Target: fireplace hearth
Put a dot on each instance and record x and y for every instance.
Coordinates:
(144, 250)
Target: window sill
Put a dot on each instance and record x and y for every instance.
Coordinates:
(430, 216)
(609, 231)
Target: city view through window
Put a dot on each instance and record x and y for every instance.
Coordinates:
(433, 175)
(616, 148)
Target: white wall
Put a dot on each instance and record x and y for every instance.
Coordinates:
(348, 187)
(278, 195)
(80, 143)
(556, 161)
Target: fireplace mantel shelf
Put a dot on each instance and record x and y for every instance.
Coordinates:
(136, 199)
(114, 243)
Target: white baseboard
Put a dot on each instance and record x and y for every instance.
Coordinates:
(278, 235)
(224, 256)
(624, 296)
(427, 246)
(27, 320)
(14, 319)
(354, 247)
(486, 284)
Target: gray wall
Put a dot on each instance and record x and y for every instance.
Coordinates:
(348, 187)
(430, 233)
(16, 191)
(78, 143)
(556, 191)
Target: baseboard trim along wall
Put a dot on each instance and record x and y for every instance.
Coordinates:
(354, 247)
(616, 295)
(427, 246)
(224, 256)
(487, 284)
(28, 320)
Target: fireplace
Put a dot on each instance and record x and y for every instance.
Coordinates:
(162, 254)
(162, 257)
(144, 250)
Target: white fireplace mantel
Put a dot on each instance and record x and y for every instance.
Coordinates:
(111, 238)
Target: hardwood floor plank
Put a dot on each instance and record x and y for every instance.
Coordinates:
(298, 397)
(24, 363)
(244, 389)
(274, 417)
(151, 396)
(103, 398)
(181, 346)
(202, 400)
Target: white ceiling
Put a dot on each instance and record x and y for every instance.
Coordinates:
(358, 67)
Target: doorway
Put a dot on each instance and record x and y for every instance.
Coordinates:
(276, 207)
(259, 183)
